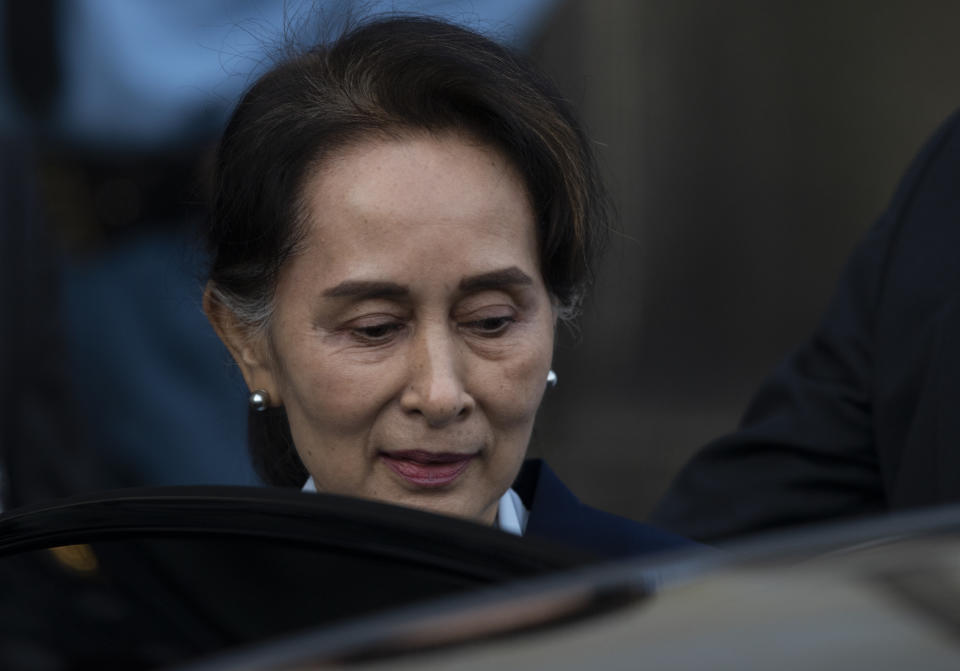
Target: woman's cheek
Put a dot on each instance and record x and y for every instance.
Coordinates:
(344, 395)
(520, 387)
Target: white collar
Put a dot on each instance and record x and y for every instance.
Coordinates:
(511, 513)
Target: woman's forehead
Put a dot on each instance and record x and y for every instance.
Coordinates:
(431, 202)
(407, 156)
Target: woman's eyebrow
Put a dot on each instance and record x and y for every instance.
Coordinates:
(366, 289)
(363, 290)
(497, 279)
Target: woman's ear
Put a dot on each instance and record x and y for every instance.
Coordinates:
(249, 350)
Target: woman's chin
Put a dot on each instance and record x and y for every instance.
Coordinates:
(450, 506)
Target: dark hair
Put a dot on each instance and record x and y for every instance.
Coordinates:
(390, 76)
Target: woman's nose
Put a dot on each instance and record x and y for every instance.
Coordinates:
(435, 388)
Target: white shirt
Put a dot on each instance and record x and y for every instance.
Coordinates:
(511, 514)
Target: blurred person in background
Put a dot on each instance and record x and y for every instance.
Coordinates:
(862, 418)
(108, 109)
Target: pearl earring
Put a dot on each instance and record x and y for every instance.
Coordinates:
(259, 399)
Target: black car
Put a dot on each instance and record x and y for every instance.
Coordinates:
(880, 594)
(144, 578)
(214, 578)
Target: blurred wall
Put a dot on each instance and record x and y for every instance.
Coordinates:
(748, 144)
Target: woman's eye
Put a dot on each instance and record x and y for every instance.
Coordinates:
(376, 333)
(491, 326)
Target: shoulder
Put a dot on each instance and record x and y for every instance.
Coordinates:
(556, 514)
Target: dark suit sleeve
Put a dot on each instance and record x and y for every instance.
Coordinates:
(806, 448)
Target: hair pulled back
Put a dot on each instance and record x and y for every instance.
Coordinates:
(388, 77)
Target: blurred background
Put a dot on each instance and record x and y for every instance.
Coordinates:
(747, 145)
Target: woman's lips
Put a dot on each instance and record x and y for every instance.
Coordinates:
(427, 469)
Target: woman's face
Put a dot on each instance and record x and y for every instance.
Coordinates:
(413, 335)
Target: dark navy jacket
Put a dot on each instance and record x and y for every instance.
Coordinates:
(865, 416)
(558, 516)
